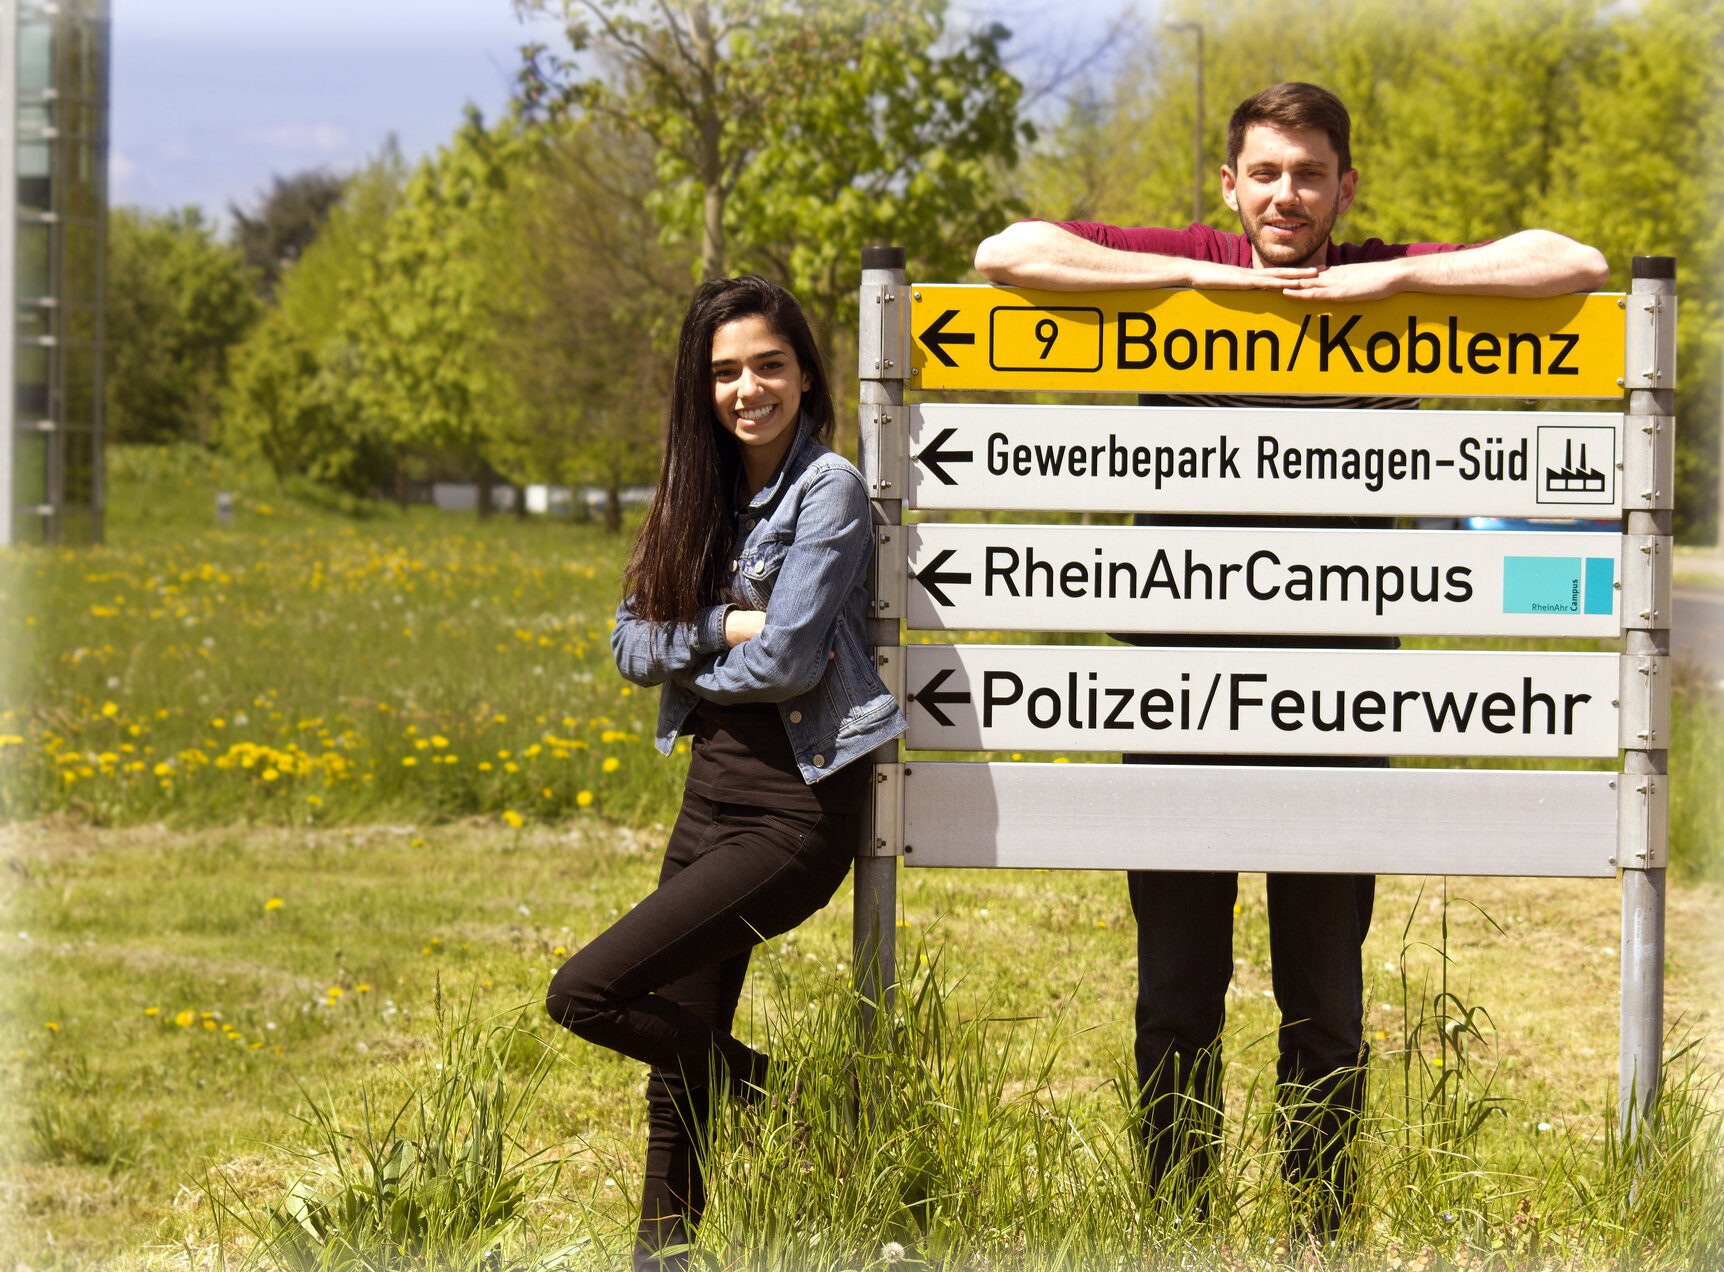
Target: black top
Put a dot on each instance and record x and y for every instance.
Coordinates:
(742, 755)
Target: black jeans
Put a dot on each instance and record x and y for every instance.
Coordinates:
(1317, 928)
(661, 984)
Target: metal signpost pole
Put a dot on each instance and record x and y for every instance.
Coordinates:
(883, 363)
(1649, 473)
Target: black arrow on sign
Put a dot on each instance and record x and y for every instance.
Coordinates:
(930, 577)
(936, 337)
(930, 697)
(932, 457)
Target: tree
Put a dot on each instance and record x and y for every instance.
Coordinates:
(293, 397)
(583, 305)
(695, 77)
(178, 302)
(422, 371)
(284, 222)
(789, 134)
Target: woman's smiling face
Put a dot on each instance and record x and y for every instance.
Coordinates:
(757, 387)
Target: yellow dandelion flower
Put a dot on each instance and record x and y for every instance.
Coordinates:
(484, 766)
(546, 792)
(256, 1045)
(511, 767)
(362, 989)
(407, 761)
(315, 801)
(559, 951)
(186, 1018)
(416, 843)
(503, 755)
(439, 741)
(209, 1024)
(274, 903)
(51, 1026)
(611, 764)
(513, 818)
(152, 1011)
(583, 799)
(110, 709)
(1438, 1062)
(269, 775)
(335, 991)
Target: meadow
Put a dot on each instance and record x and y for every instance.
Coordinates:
(301, 813)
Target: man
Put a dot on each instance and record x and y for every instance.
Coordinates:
(1289, 176)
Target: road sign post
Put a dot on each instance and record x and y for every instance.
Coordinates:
(882, 364)
(1293, 584)
(1650, 376)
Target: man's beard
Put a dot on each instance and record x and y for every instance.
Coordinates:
(1309, 249)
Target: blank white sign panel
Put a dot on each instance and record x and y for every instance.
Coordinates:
(1317, 820)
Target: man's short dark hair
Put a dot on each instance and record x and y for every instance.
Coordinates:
(1293, 105)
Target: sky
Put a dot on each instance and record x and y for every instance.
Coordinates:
(210, 98)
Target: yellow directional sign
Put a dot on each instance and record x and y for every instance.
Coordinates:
(1261, 342)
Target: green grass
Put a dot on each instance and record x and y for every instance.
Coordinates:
(313, 669)
(1007, 1067)
(230, 983)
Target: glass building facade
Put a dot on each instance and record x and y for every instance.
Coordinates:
(55, 205)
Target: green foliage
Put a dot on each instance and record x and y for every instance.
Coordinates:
(417, 307)
(285, 222)
(178, 302)
(791, 134)
(293, 400)
(903, 140)
(582, 301)
(1697, 781)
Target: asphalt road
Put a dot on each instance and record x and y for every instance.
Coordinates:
(1697, 631)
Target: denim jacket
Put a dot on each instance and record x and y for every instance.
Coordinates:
(801, 555)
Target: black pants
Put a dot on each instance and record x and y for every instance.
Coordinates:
(661, 984)
(1317, 928)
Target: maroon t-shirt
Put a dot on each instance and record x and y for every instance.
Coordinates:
(1224, 247)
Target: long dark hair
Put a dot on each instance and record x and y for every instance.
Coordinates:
(681, 563)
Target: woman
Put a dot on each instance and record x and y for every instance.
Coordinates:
(746, 599)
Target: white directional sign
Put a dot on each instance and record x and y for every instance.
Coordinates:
(1261, 701)
(1244, 460)
(1163, 579)
(1305, 820)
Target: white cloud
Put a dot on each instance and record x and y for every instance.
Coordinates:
(324, 138)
